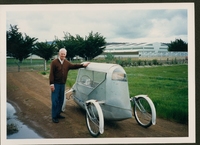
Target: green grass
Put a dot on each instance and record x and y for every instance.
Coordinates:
(167, 86)
(71, 79)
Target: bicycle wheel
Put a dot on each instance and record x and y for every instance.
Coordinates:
(94, 118)
(143, 112)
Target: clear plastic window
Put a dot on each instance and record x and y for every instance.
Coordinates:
(85, 80)
(119, 75)
(90, 78)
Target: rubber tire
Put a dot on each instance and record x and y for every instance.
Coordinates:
(136, 112)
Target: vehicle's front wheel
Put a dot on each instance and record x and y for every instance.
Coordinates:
(94, 118)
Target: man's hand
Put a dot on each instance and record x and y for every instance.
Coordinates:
(85, 64)
(52, 88)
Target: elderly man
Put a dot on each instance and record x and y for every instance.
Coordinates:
(58, 77)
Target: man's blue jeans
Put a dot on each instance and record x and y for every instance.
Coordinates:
(57, 98)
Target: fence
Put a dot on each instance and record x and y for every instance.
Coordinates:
(163, 54)
(38, 64)
(13, 65)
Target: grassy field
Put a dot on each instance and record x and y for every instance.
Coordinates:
(167, 86)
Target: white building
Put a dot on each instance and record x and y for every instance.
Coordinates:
(141, 47)
(134, 49)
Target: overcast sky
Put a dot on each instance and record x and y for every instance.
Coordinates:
(118, 23)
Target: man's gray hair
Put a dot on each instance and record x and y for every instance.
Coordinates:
(63, 49)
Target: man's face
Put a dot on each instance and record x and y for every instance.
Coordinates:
(62, 55)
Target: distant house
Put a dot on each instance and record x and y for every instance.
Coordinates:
(34, 57)
(38, 57)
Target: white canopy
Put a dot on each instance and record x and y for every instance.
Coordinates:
(101, 67)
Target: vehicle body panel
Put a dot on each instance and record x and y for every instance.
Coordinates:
(106, 83)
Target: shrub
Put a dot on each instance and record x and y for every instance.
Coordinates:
(149, 63)
(155, 62)
(139, 62)
(109, 57)
(145, 62)
(118, 61)
(129, 62)
(43, 73)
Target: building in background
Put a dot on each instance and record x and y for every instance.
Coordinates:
(133, 49)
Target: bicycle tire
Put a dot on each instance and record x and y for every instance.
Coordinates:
(94, 118)
(144, 111)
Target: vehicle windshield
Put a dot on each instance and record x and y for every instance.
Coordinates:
(119, 75)
(90, 78)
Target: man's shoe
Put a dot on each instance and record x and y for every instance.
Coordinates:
(60, 117)
(55, 120)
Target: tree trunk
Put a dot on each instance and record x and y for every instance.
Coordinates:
(45, 65)
(18, 64)
(18, 67)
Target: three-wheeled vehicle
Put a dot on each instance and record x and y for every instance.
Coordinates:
(102, 90)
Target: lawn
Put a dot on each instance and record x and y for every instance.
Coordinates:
(167, 86)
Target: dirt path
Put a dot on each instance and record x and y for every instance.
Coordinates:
(30, 94)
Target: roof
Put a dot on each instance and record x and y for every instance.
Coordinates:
(101, 67)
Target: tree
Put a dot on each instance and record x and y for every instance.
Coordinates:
(178, 45)
(72, 44)
(88, 48)
(18, 46)
(94, 45)
(45, 50)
